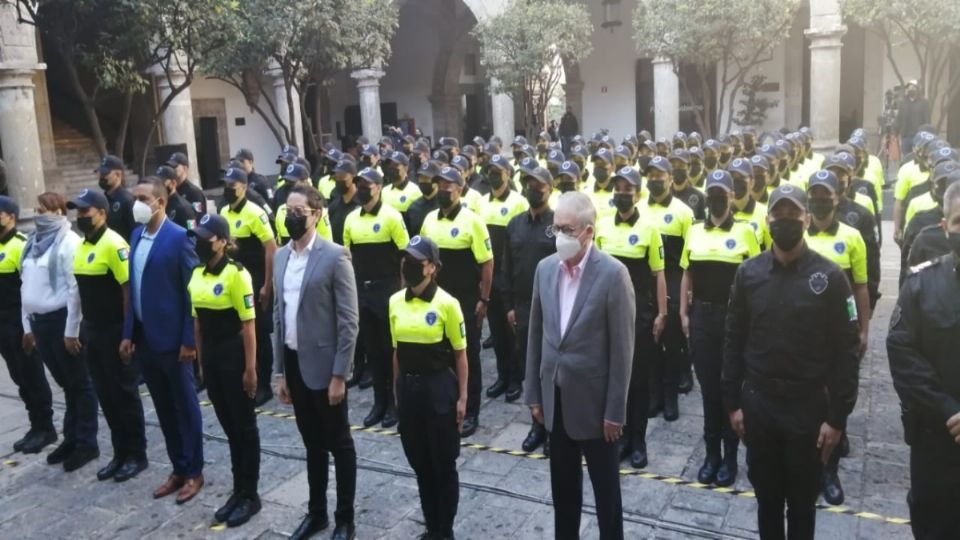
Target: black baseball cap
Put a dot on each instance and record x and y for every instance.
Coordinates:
(450, 174)
(841, 160)
(571, 169)
(234, 175)
(659, 163)
(112, 163)
(788, 192)
(399, 158)
(89, 198)
(944, 169)
(603, 154)
(211, 225)
(469, 150)
(519, 140)
(824, 178)
(9, 206)
(540, 174)
(629, 174)
(528, 164)
(244, 154)
(369, 150)
(680, 154)
(742, 166)
(166, 172)
(346, 166)
(760, 162)
(449, 142)
(555, 157)
(177, 158)
(422, 248)
(430, 169)
(721, 179)
(461, 163)
(371, 175)
(295, 172)
(501, 162)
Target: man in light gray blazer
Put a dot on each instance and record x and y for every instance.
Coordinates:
(316, 322)
(579, 357)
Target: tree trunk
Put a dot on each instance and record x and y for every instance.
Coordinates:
(155, 123)
(121, 139)
(697, 115)
(89, 107)
(310, 140)
(256, 108)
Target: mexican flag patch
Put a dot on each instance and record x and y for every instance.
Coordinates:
(851, 308)
(123, 253)
(263, 218)
(248, 301)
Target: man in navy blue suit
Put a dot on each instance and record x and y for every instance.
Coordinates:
(158, 331)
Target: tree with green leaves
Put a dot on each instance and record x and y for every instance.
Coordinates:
(523, 49)
(931, 30)
(731, 36)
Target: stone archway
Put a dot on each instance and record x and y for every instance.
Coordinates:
(573, 89)
(445, 91)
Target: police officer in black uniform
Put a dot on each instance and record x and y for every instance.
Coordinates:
(681, 187)
(428, 202)
(922, 348)
(188, 190)
(258, 183)
(789, 367)
(924, 230)
(861, 219)
(179, 210)
(120, 212)
(343, 200)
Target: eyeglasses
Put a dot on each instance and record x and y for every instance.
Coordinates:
(299, 211)
(568, 230)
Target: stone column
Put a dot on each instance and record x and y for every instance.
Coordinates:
(368, 85)
(501, 110)
(793, 76)
(20, 135)
(666, 98)
(825, 34)
(177, 120)
(280, 98)
(873, 59)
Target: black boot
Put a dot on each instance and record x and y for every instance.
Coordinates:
(832, 490)
(671, 409)
(727, 473)
(638, 457)
(656, 399)
(497, 389)
(376, 413)
(390, 416)
(248, 507)
(224, 511)
(708, 472)
(685, 384)
(536, 437)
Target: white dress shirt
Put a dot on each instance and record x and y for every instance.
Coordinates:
(37, 294)
(570, 278)
(292, 283)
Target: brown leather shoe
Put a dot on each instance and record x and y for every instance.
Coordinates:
(173, 483)
(190, 489)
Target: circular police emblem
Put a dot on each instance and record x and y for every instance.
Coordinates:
(737, 162)
(694, 200)
(230, 172)
(376, 227)
(839, 247)
(116, 206)
(786, 188)
(218, 289)
(84, 193)
(822, 175)
(668, 218)
(730, 243)
(90, 258)
(196, 207)
(431, 318)
(415, 240)
(290, 168)
(853, 218)
(503, 211)
(862, 190)
(403, 198)
(754, 225)
(205, 219)
(610, 203)
(633, 239)
(454, 232)
(238, 223)
(818, 282)
(566, 165)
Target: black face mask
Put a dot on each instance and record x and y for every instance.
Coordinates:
(695, 170)
(680, 176)
(710, 162)
(759, 184)
(748, 147)
(566, 186)
(542, 149)
(656, 187)
(717, 205)
(363, 196)
(366, 162)
(644, 161)
(820, 208)
(426, 189)
(85, 224)
(495, 180)
(296, 226)
(104, 183)
(739, 189)
(954, 240)
(601, 175)
(204, 250)
(786, 233)
(341, 187)
(517, 156)
(391, 175)
(412, 271)
(230, 195)
(536, 199)
(445, 198)
(415, 163)
(725, 157)
(623, 202)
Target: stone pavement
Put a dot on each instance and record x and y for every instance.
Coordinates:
(501, 495)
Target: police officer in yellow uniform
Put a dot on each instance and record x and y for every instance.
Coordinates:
(670, 371)
(761, 172)
(601, 190)
(430, 369)
(633, 240)
(843, 245)
(923, 202)
(25, 370)
(467, 255)
(375, 233)
(298, 175)
(711, 255)
(101, 267)
(399, 192)
(745, 207)
(222, 295)
(250, 229)
(326, 183)
(499, 207)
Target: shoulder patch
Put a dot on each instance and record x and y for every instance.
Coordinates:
(248, 301)
(924, 265)
(123, 253)
(263, 218)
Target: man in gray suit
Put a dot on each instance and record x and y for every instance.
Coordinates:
(579, 357)
(316, 320)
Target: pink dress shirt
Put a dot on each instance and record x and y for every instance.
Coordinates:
(569, 283)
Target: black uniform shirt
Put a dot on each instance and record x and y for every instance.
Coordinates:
(694, 198)
(180, 212)
(930, 244)
(923, 342)
(528, 241)
(418, 211)
(120, 213)
(862, 220)
(263, 187)
(795, 324)
(194, 195)
(920, 221)
(338, 212)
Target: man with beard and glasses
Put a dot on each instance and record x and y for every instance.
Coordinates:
(120, 212)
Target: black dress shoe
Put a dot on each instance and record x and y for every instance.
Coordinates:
(638, 458)
(488, 343)
(832, 490)
(671, 410)
(110, 470)
(60, 453)
(263, 395)
(727, 473)
(245, 509)
(224, 511)
(708, 472)
(656, 406)
(344, 531)
(376, 414)
(389, 417)
(685, 384)
(131, 467)
(366, 381)
(470, 425)
(310, 525)
(19, 444)
(80, 457)
(38, 440)
(536, 437)
(514, 391)
(496, 389)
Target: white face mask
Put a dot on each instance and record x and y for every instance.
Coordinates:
(567, 246)
(142, 212)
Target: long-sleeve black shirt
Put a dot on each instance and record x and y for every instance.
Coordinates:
(120, 213)
(338, 211)
(527, 242)
(794, 324)
(862, 220)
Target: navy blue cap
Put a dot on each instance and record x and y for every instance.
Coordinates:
(607, 141)
(742, 166)
(166, 172)
(659, 163)
(490, 149)
(696, 152)
(430, 169)
(528, 150)
(623, 152)
(528, 164)
(711, 144)
(422, 248)
(234, 174)
(603, 154)
(944, 169)
(441, 156)
(501, 162)
(287, 158)
(9, 206)
(788, 192)
(519, 140)
(540, 174)
(571, 169)
(346, 166)
(631, 139)
(760, 162)
(857, 143)
(244, 154)
(944, 154)
(629, 174)
(399, 158)
(290, 149)
(579, 150)
(177, 158)
(469, 150)
(89, 198)
(369, 150)
(680, 154)
(841, 160)
(449, 142)
(824, 178)
(721, 179)
(296, 172)
(461, 163)
(333, 155)
(211, 225)
(113, 163)
(450, 174)
(421, 147)
(555, 157)
(478, 141)
(370, 174)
